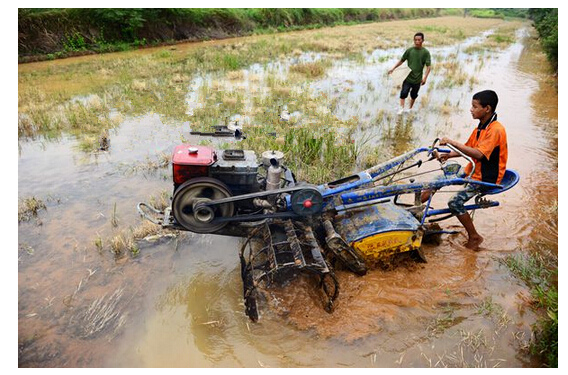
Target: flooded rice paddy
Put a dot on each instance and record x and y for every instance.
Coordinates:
(91, 293)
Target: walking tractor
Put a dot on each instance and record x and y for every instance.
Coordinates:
(291, 227)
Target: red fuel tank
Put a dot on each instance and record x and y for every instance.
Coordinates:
(191, 161)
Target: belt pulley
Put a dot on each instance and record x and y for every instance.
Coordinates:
(186, 202)
(206, 205)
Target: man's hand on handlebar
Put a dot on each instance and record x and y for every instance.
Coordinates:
(440, 156)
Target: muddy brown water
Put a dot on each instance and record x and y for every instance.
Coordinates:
(178, 303)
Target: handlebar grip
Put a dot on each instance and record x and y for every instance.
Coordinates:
(465, 157)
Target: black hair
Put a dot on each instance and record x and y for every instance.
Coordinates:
(487, 98)
(419, 34)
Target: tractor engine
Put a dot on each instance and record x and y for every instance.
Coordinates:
(238, 169)
(205, 180)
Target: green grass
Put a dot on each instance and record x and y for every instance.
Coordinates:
(540, 274)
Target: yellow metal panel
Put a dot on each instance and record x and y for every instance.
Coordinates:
(385, 244)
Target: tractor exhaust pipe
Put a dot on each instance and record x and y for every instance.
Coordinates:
(274, 175)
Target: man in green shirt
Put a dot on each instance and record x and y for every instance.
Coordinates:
(417, 58)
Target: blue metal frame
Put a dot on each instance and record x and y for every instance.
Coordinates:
(356, 190)
(380, 192)
(469, 207)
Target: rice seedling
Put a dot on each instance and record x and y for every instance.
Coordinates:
(134, 250)
(99, 243)
(114, 217)
(442, 321)
(486, 307)
(119, 244)
(495, 311)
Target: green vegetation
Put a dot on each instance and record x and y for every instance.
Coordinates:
(501, 38)
(29, 207)
(498, 12)
(311, 70)
(55, 33)
(546, 22)
(484, 13)
(540, 273)
(88, 98)
(126, 239)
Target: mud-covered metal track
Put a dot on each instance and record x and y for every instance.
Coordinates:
(274, 253)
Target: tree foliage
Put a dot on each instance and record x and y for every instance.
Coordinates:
(546, 23)
(51, 31)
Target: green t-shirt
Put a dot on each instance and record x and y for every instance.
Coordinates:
(417, 58)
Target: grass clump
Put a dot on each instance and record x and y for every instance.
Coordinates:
(495, 312)
(29, 208)
(123, 242)
(311, 70)
(444, 320)
(126, 240)
(307, 150)
(160, 202)
(161, 160)
(540, 274)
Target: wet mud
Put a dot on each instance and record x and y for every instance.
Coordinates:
(178, 301)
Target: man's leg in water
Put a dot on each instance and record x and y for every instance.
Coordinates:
(474, 238)
(456, 205)
(414, 94)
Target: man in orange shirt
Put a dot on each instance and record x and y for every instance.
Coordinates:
(487, 146)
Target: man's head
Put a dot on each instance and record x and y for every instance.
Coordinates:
(418, 40)
(484, 104)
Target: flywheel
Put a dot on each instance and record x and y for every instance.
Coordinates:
(198, 218)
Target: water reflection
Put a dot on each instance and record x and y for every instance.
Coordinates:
(400, 137)
(207, 305)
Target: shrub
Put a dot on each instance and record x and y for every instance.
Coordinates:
(546, 23)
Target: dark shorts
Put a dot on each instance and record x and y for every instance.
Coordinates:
(456, 204)
(413, 88)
